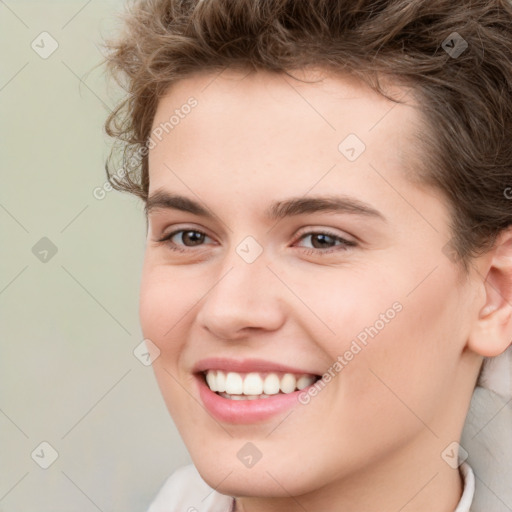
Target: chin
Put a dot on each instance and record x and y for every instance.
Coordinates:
(262, 480)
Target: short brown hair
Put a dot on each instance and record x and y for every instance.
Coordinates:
(455, 56)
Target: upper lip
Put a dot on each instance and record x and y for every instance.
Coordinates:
(246, 366)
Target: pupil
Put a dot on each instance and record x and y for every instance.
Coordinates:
(194, 239)
(324, 239)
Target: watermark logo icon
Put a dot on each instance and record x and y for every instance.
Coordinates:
(146, 352)
(249, 249)
(44, 250)
(450, 251)
(249, 455)
(44, 45)
(454, 45)
(454, 455)
(351, 147)
(44, 455)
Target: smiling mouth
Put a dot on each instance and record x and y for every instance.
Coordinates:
(256, 385)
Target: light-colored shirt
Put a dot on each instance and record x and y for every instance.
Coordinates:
(186, 491)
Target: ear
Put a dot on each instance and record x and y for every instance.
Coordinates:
(491, 333)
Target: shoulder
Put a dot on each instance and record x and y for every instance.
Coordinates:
(186, 491)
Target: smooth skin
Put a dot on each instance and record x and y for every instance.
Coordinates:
(372, 439)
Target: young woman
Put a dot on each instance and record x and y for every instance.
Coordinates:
(329, 251)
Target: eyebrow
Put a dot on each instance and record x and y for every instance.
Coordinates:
(162, 200)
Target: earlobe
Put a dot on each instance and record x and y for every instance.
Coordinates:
(491, 333)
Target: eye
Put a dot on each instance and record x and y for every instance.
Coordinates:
(187, 237)
(323, 242)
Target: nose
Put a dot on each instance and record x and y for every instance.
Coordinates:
(244, 298)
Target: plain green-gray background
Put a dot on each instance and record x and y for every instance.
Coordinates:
(69, 325)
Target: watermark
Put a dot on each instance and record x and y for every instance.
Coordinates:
(141, 152)
(44, 45)
(508, 193)
(249, 249)
(174, 120)
(454, 455)
(356, 346)
(44, 250)
(100, 193)
(146, 352)
(249, 455)
(454, 45)
(351, 147)
(44, 455)
(450, 250)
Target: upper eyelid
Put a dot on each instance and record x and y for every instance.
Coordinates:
(167, 232)
(301, 232)
(327, 231)
(304, 233)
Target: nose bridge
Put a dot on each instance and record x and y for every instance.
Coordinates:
(244, 295)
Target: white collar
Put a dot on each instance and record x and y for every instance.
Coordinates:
(468, 492)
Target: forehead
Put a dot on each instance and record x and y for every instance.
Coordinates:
(310, 88)
(315, 92)
(239, 105)
(272, 126)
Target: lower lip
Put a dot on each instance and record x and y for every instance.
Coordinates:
(245, 411)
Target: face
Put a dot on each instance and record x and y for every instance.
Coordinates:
(286, 243)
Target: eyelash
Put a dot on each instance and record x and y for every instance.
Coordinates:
(343, 246)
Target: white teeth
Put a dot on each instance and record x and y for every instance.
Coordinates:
(221, 382)
(288, 382)
(271, 384)
(302, 382)
(243, 397)
(236, 397)
(253, 385)
(234, 384)
(250, 386)
(211, 381)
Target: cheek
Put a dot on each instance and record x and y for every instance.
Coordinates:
(347, 306)
(406, 367)
(163, 308)
(396, 347)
